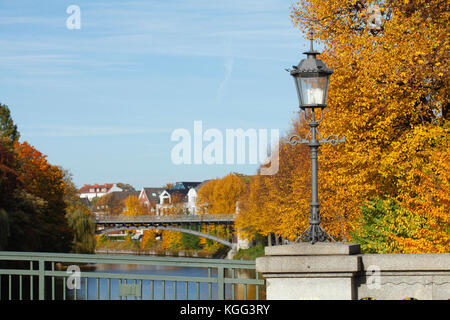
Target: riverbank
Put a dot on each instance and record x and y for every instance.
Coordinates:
(181, 253)
(249, 254)
(155, 248)
(134, 248)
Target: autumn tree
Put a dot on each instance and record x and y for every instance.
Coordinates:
(109, 204)
(32, 195)
(279, 204)
(220, 195)
(19, 225)
(45, 182)
(134, 207)
(388, 96)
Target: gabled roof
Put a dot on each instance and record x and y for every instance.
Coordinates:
(184, 185)
(182, 188)
(152, 194)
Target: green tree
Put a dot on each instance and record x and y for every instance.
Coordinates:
(84, 230)
(382, 223)
(79, 217)
(4, 229)
(190, 241)
(7, 126)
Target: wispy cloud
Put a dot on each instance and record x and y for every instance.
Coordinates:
(228, 65)
(178, 28)
(17, 20)
(87, 130)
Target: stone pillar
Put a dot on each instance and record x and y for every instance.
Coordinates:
(308, 271)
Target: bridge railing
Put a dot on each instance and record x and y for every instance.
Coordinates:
(58, 276)
(172, 218)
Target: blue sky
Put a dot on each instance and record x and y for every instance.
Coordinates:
(102, 101)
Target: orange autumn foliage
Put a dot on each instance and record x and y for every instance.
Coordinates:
(39, 177)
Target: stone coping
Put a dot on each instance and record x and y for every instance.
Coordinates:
(308, 264)
(407, 262)
(317, 249)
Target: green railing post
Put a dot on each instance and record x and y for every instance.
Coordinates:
(220, 283)
(41, 279)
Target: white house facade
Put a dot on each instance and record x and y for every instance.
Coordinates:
(96, 190)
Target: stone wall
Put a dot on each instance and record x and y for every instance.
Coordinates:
(402, 276)
(338, 271)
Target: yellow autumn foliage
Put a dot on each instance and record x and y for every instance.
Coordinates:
(388, 96)
(134, 207)
(219, 196)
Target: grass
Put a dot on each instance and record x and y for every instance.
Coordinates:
(250, 254)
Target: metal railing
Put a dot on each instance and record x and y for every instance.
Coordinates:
(51, 276)
(169, 218)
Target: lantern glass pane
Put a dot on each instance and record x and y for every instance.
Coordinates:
(313, 90)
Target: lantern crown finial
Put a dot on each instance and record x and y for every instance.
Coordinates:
(311, 39)
(311, 54)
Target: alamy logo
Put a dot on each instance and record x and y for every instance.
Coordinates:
(237, 146)
(375, 19)
(74, 20)
(74, 280)
(374, 280)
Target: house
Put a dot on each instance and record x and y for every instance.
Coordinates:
(150, 197)
(96, 190)
(192, 195)
(181, 197)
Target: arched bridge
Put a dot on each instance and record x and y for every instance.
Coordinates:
(191, 224)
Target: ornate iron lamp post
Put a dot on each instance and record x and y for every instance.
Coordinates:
(311, 78)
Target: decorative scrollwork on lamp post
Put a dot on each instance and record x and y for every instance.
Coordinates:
(311, 81)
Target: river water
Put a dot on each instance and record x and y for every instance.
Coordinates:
(56, 288)
(158, 290)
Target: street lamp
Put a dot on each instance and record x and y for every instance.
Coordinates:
(311, 78)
